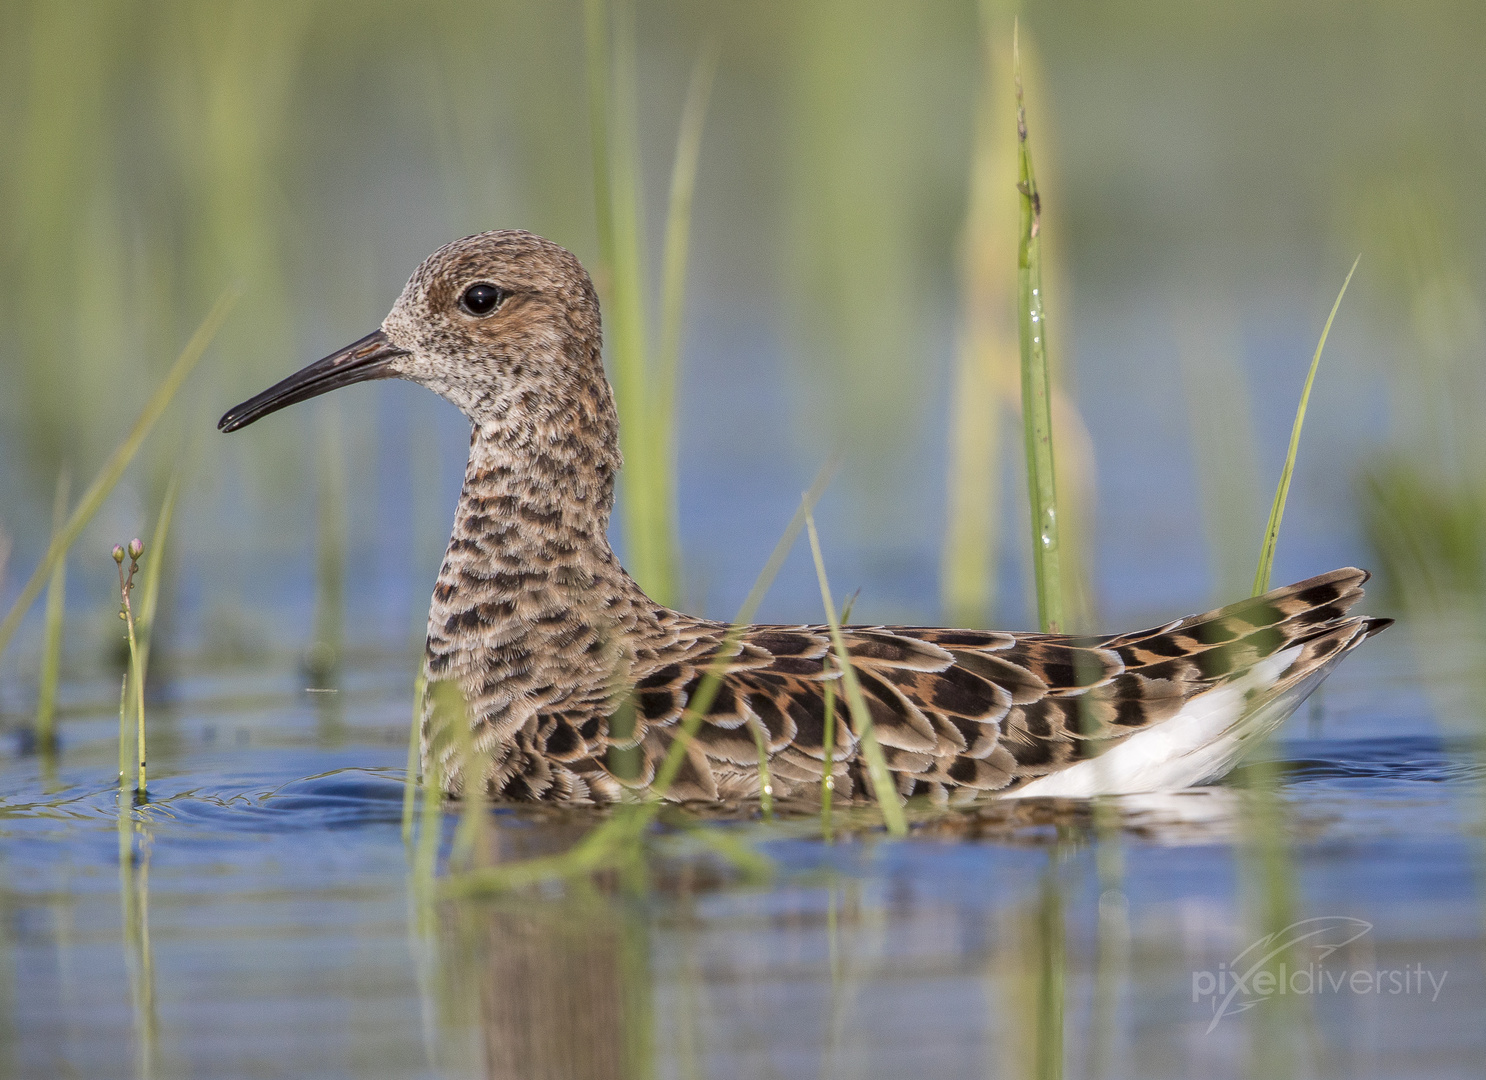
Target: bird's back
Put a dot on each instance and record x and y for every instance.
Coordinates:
(958, 713)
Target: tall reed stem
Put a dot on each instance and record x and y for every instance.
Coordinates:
(644, 381)
(1037, 417)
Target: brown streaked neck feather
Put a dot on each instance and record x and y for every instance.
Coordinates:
(532, 607)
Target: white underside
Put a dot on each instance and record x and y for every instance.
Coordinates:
(1200, 743)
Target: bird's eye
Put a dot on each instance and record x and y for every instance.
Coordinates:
(482, 299)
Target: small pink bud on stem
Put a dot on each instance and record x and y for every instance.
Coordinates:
(119, 554)
(136, 548)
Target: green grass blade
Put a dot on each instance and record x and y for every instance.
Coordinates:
(647, 534)
(119, 460)
(707, 689)
(153, 565)
(1037, 418)
(596, 38)
(56, 609)
(986, 353)
(765, 784)
(678, 243)
(1282, 492)
(883, 787)
(136, 678)
(410, 791)
(644, 386)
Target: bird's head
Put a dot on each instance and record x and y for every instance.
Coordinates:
(503, 324)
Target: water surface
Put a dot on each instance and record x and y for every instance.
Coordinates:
(285, 936)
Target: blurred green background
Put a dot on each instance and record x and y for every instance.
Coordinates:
(1209, 171)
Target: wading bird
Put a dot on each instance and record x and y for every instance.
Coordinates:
(562, 659)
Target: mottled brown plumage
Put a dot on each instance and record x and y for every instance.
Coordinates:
(548, 638)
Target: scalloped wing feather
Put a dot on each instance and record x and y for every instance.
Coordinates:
(959, 713)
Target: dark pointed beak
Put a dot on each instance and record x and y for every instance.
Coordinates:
(361, 361)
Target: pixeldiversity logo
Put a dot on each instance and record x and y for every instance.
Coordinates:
(1303, 948)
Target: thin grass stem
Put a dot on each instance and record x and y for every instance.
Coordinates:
(765, 784)
(137, 675)
(828, 777)
(647, 538)
(987, 352)
(56, 610)
(883, 788)
(1282, 491)
(644, 385)
(136, 672)
(1037, 418)
(108, 476)
(410, 790)
(676, 254)
(149, 602)
(596, 40)
(711, 681)
(123, 734)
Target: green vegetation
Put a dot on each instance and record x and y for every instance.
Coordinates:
(411, 776)
(135, 677)
(139, 630)
(644, 381)
(1282, 491)
(154, 567)
(883, 788)
(118, 461)
(828, 738)
(1269, 896)
(1052, 981)
(987, 352)
(1037, 416)
(56, 610)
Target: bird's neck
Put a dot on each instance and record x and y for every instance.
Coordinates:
(531, 604)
